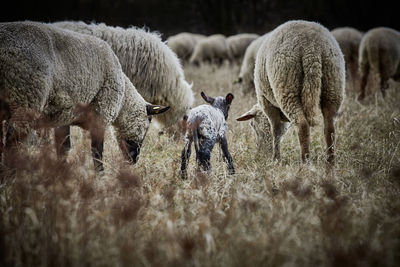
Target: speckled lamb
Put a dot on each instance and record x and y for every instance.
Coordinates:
(300, 72)
(379, 56)
(206, 125)
(51, 71)
(349, 40)
(150, 65)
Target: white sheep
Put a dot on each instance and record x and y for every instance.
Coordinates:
(238, 43)
(206, 125)
(246, 74)
(261, 127)
(349, 40)
(299, 72)
(51, 72)
(379, 56)
(183, 44)
(213, 49)
(150, 65)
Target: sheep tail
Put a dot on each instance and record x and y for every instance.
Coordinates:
(311, 93)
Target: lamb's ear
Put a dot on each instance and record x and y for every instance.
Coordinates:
(155, 109)
(229, 97)
(208, 99)
(248, 115)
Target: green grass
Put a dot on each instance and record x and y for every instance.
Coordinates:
(269, 213)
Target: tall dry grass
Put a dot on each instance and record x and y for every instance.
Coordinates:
(269, 213)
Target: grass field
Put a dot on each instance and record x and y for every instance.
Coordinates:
(269, 213)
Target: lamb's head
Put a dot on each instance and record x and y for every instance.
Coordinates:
(220, 102)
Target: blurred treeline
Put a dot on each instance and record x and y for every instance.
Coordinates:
(207, 16)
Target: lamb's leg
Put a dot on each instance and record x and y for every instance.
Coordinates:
(204, 154)
(97, 138)
(329, 129)
(303, 131)
(62, 140)
(227, 156)
(185, 156)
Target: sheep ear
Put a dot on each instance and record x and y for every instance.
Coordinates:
(155, 109)
(247, 116)
(229, 97)
(208, 99)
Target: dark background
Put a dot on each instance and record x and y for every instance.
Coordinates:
(207, 16)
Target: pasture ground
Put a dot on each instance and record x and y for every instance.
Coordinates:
(269, 213)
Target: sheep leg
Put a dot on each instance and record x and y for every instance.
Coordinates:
(354, 75)
(303, 131)
(187, 150)
(384, 86)
(363, 85)
(3, 139)
(97, 143)
(278, 130)
(329, 129)
(204, 154)
(62, 140)
(226, 155)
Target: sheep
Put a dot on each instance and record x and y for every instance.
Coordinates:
(261, 127)
(238, 43)
(183, 44)
(64, 77)
(246, 75)
(379, 55)
(213, 49)
(206, 125)
(349, 40)
(150, 65)
(299, 72)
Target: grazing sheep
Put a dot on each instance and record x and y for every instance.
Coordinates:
(349, 40)
(150, 65)
(206, 125)
(379, 55)
(261, 127)
(237, 44)
(51, 71)
(183, 44)
(213, 49)
(299, 72)
(246, 75)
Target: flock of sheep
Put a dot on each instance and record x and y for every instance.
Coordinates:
(61, 73)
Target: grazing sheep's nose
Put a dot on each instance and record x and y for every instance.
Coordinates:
(133, 151)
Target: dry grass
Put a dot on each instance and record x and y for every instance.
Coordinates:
(268, 213)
